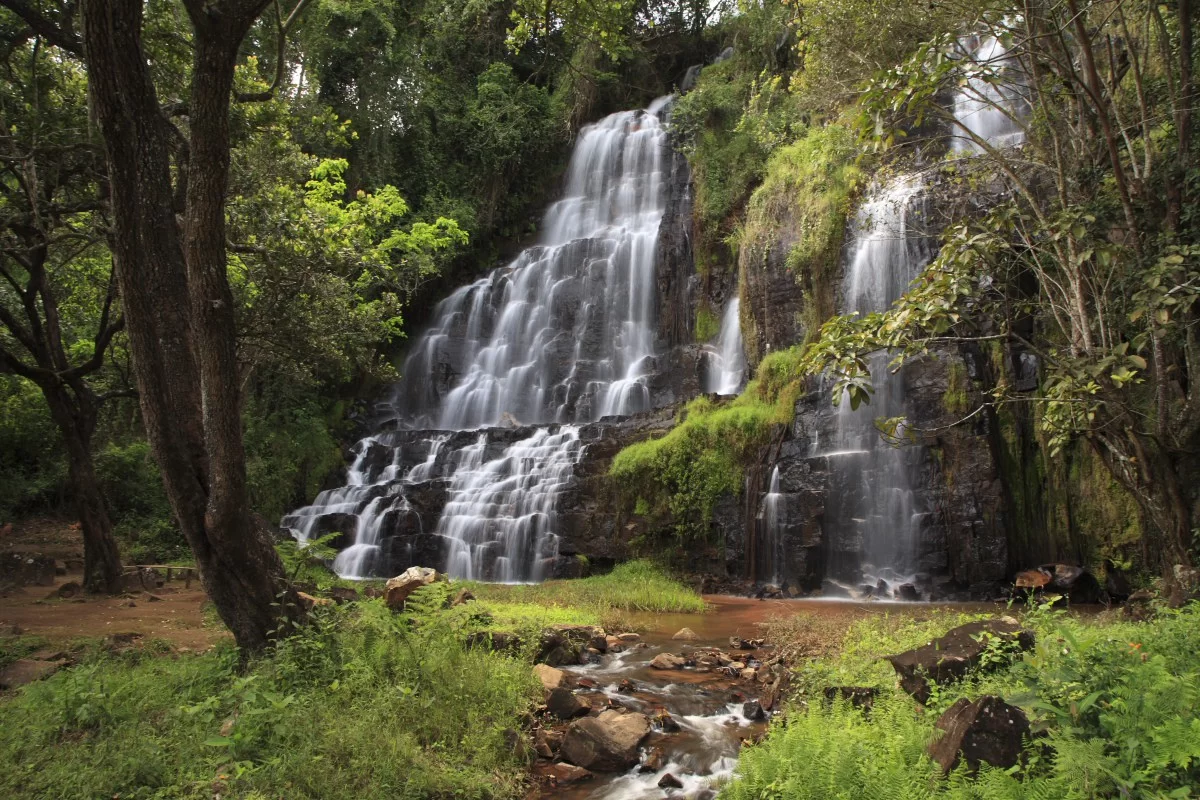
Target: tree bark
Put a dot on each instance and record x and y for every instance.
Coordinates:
(178, 307)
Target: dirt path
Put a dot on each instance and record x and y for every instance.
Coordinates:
(176, 616)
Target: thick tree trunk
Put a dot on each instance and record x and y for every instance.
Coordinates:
(179, 314)
(101, 558)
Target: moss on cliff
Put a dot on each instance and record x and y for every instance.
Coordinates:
(678, 478)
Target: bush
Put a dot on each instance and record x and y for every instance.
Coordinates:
(33, 467)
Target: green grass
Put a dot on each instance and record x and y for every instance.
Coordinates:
(1119, 701)
(360, 704)
(632, 586)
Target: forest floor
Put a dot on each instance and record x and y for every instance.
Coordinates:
(174, 613)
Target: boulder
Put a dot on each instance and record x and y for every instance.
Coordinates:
(463, 597)
(629, 637)
(753, 711)
(668, 661)
(908, 593)
(550, 677)
(67, 590)
(654, 760)
(27, 670)
(563, 645)
(958, 652)
(400, 587)
(607, 743)
(685, 634)
(669, 781)
(988, 731)
(564, 704)
(1076, 583)
(309, 601)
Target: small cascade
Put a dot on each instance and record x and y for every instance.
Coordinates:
(563, 334)
(727, 361)
(768, 554)
(873, 514)
(499, 520)
(987, 104)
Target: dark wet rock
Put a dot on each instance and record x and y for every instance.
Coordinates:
(908, 593)
(666, 723)
(653, 760)
(564, 704)
(858, 696)
(988, 731)
(753, 711)
(958, 652)
(669, 781)
(627, 686)
(1116, 583)
(607, 743)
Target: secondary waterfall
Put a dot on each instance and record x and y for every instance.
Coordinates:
(873, 510)
(769, 519)
(727, 361)
(563, 334)
(989, 102)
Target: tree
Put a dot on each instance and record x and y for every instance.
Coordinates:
(1089, 246)
(169, 245)
(51, 251)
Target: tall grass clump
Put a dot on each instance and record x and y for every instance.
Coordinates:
(360, 703)
(679, 477)
(1117, 702)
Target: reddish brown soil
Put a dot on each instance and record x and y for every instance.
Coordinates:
(177, 617)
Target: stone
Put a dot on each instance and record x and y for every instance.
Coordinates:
(669, 781)
(1076, 583)
(561, 774)
(564, 704)
(612, 641)
(542, 744)
(309, 601)
(954, 655)
(607, 743)
(666, 723)
(27, 670)
(988, 731)
(398, 589)
(598, 643)
(685, 634)
(626, 686)
(67, 590)
(551, 677)
(908, 593)
(343, 594)
(668, 661)
(653, 760)
(753, 711)
(749, 674)
(629, 637)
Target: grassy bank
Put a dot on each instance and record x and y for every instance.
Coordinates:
(1118, 701)
(632, 586)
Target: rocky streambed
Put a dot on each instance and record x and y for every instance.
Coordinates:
(660, 714)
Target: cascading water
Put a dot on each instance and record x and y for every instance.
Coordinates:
(989, 103)
(563, 334)
(769, 519)
(727, 363)
(873, 510)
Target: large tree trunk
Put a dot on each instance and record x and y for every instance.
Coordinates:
(179, 314)
(101, 558)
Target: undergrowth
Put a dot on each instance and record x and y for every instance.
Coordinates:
(1119, 703)
(359, 704)
(680, 476)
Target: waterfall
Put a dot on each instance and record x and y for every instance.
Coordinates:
(873, 512)
(989, 103)
(770, 519)
(727, 362)
(563, 334)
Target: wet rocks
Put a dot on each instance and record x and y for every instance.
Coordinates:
(564, 704)
(958, 652)
(753, 711)
(668, 661)
(398, 589)
(988, 731)
(560, 774)
(607, 743)
(669, 781)
(685, 634)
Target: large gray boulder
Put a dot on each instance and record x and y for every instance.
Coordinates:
(607, 743)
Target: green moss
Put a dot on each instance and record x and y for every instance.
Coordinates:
(680, 477)
(707, 324)
(955, 399)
